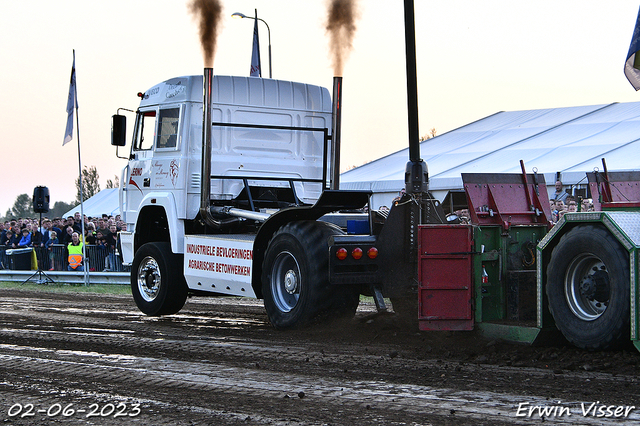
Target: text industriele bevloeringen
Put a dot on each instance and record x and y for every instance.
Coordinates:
(223, 252)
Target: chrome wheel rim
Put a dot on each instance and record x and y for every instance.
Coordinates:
(285, 281)
(586, 287)
(149, 279)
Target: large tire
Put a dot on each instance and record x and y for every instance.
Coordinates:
(588, 288)
(157, 283)
(295, 277)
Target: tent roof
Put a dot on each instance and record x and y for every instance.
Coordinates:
(104, 202)
(570, 140)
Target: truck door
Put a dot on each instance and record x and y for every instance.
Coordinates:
(138, 179)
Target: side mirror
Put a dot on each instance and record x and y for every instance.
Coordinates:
(118, 130)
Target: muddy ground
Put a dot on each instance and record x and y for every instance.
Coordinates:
(95, 359)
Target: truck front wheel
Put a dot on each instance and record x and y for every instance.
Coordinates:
(157, 283)
(588, 288)
(295, 278)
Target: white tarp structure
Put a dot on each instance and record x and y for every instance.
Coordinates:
(569, 141)
(104, 202)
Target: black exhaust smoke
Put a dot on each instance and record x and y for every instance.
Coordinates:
(341, 26)
(208, 13)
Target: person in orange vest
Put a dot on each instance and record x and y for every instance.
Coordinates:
(75, 253)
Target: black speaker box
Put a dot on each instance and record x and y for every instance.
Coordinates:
(41, 199)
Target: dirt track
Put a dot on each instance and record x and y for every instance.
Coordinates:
(98, 360)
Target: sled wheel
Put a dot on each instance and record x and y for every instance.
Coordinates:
(157, 283)
(588, 288)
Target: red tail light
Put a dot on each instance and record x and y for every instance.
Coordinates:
(341, 253)
(357, 253)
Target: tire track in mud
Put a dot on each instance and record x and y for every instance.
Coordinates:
(200, 377)
(191, 363)
(269, 353)
(150, 374)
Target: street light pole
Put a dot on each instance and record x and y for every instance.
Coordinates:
(242, 15)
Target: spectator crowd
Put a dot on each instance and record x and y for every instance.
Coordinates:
(569, 205)
(561, 202)
(55, 241)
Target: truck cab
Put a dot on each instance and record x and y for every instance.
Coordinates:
(164, 168)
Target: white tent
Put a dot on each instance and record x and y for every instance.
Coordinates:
(104, 202)
(568, 141)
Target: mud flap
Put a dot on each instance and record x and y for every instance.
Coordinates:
(445, 277)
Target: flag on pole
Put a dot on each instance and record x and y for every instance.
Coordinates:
(256, 69)
(72, 103)
(632, 65)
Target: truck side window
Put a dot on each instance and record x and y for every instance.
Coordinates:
(168, 130)
(145, 131)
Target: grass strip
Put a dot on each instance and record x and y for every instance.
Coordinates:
(68, 288)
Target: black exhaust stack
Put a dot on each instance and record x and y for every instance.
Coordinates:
(205, 172)
(335, 133)
(416, 176)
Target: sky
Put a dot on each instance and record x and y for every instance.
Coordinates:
(474, 58)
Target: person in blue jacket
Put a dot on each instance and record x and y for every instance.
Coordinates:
(25, 241)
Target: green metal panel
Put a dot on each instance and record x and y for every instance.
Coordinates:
(625, 226)
(634, 296)
(489, 296)
(512, 333)
(508, 258)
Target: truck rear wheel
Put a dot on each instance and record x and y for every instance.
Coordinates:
(295, 278)
(157, 283)
(588, 288)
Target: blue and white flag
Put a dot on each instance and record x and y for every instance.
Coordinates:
(72, 103)
(256, 69)
(632, 66)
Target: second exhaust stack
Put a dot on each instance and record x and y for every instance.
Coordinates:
(335, 133)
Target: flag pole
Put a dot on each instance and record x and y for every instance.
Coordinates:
(83, 238)
(68, 136)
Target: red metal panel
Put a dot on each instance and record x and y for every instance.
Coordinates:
(615, 190)
(445, 304)
(446, 277)
(445, 272)
(444, 239)
(506, 199)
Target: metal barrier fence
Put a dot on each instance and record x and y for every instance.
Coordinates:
(99, 259)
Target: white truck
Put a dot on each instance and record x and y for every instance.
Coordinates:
(229, 188)
(231, 207)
